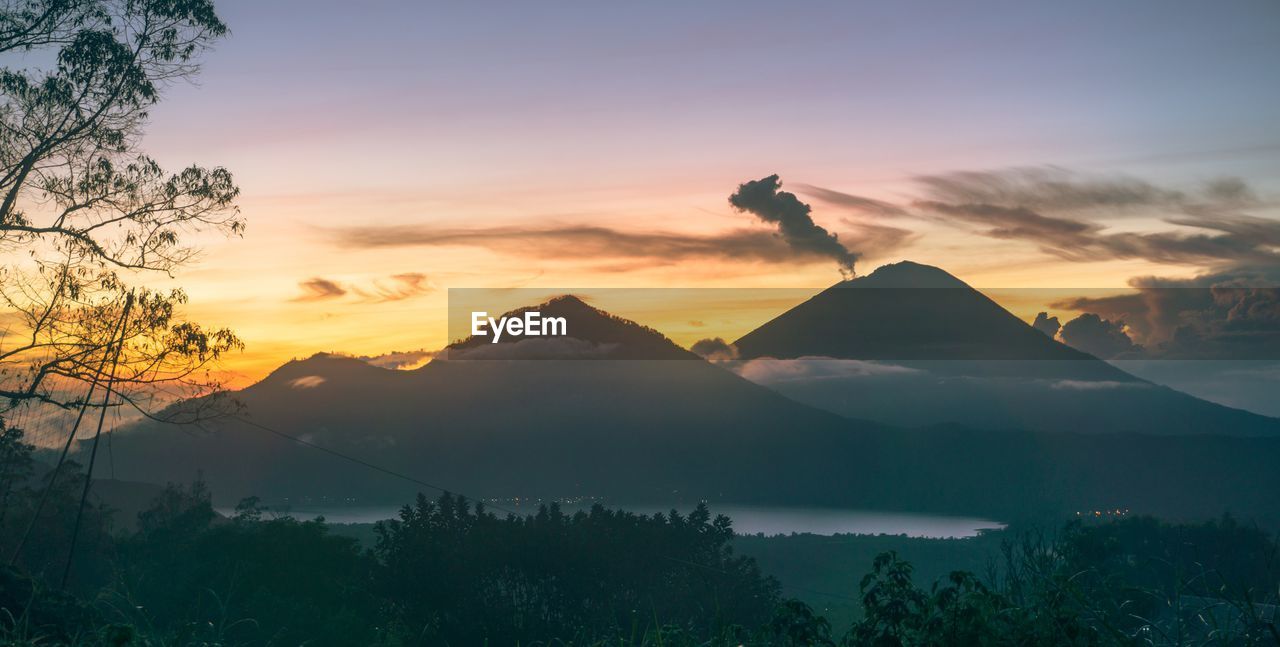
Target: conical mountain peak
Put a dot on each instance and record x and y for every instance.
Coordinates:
(920, 313)
(906, 274)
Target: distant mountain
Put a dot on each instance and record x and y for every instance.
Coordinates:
(964, 359)
(660, 431)
(513, 418)
(596, 334)
(908, 311)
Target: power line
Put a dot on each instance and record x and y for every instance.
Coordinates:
(97, 436)
(71, 436)
(365, 463)
(111, 455)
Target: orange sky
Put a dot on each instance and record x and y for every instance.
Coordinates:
(253, 284)
(643, 118)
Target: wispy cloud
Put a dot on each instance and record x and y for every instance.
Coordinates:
(319, 289)
(1232, 309)
(1062, 213)
(862, 204)
(592, 243)
(395, 288)
(1048, 189)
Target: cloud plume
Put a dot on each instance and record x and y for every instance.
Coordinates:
(765, 199)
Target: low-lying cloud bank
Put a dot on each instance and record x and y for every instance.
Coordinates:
(399, 360)
(768, 371)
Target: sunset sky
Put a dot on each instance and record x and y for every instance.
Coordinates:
(389, 151)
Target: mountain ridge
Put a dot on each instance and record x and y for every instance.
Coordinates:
(663, 432)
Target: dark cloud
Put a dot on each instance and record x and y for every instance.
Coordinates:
(319, 289)
(585, 243)
(1099, 337)
(1046, 324)
(1047, 206)
(1010, 222)
(399, 359)
(1233, 314)
(714, 349)
(764, 198)
(1231, 191)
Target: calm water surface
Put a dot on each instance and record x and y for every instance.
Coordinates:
(770, 520)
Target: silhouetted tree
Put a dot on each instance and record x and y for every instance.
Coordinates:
(461, 574)
(82, 210)
(15, 468)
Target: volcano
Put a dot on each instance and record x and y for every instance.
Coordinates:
(912, 345)
(908, 311)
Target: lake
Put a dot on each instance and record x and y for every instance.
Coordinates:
(747, 520)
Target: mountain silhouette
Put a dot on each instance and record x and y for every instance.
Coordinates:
(500, 424)
(595, 334)
(965, 360)
(908, 311)
(659, 431)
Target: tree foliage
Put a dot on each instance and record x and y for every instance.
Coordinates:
(453, 570)
(446, 572)
(84, 213)
(1130, 582)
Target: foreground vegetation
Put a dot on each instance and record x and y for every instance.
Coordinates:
(450, 573)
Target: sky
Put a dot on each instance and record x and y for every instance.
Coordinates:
(388, 151)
